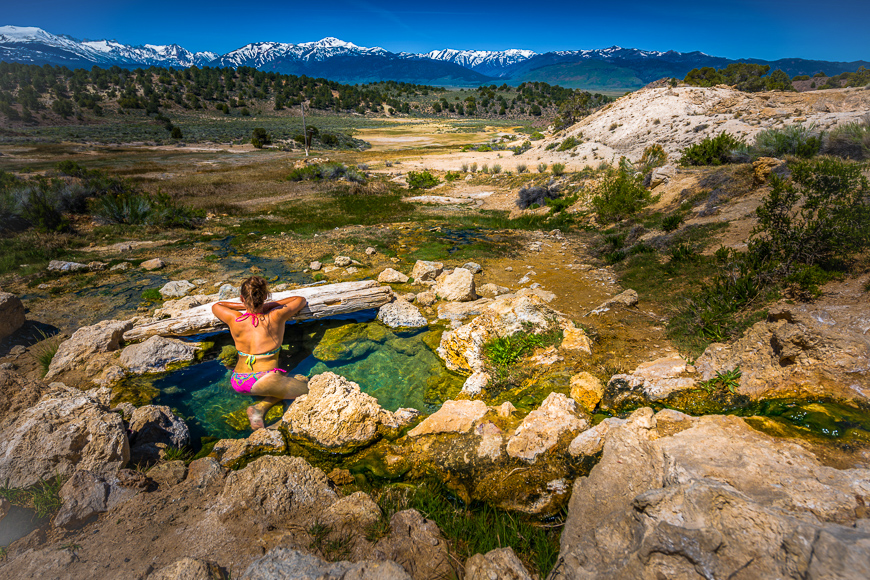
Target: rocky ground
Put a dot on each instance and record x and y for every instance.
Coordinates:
(609, 432)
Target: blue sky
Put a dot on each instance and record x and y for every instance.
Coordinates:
(771, 29)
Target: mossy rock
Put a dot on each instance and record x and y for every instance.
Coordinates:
(351, 341)
(229, 356)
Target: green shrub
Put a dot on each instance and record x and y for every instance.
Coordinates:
(711, 151)
(672, 222)
(619, 195)
(259, 138)
(798, 140)
(568, 143)
(558, 169)
(422, 180)
(451, 176)
(133, 208)
(496, 169)
(522, 167)
(536, 136)
(653, 156)
(821, 217)
(850, 140)
(542, 167)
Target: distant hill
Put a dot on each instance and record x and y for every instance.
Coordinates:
(610, 69)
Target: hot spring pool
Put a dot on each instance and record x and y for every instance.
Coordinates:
(398, 368)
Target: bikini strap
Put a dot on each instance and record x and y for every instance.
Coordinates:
(254, 320)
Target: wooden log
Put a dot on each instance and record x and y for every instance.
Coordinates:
(327, 300)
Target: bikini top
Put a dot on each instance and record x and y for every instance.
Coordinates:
(252, 358)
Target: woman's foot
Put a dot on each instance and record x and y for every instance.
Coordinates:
(255, 417)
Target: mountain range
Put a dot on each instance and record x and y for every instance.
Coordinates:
(611, 69)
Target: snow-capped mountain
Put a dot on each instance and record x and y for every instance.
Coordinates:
(482, 61)
(34, 45)
(261, 54)
(609, 68)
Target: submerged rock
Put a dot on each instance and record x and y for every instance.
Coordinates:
(401, 314)
(350, 341)
(11, 314)
(457, 286)
(336, 414)
(63, 431)
(156, 353)
(105, 336)
(716, 500)
(287, 563)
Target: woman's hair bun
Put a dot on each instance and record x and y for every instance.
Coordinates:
(255, 292)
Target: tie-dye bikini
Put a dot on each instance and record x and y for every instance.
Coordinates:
(243, 382)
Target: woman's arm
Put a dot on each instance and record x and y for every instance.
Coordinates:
(289, 307)
(226, 311)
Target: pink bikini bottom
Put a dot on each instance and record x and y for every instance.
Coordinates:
(243, 382)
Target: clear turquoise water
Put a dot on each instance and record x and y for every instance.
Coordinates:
(397, 369)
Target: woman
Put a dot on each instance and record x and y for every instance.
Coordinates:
(259, 334)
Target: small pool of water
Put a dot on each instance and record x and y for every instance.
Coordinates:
(400, 369)
(239, 265)
(17, 523)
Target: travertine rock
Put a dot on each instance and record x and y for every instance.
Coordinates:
(156, 353)
(540, 431)
(390, 276)
(401, 314)
(105, 336)
(11, 314)
(423, 270)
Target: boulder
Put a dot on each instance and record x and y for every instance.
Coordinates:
(315, 266)
(457, 286)
(626, 299)
(122, 267)
(556, 418)
(63, 431)
(105, 336)
(97, 266)
(284, 563)
(356, 510)
(426, 298)
(452, 417)
(176, 289)
(336, 414)
(370, 251)
(591, 441)
(169, 472)
(272, 489)
(153, 264)
(498, 564)
(152, 428)
(228, 291)
(715, 500)
(156, 353)
(462, 348)
(458, 312)
(475, 384)
(763, 167)
(390, 276)
(662, 175)
(401, 314)
(473, 267)
(232, 452)
(342, 261)
(61, 266)
(417, 545)
(803, 350)
(85, 495)
(190, 569)
(491, 290)
(204, 471)
(423, 270)
(587, 390)
(11, 314)
(650, 381)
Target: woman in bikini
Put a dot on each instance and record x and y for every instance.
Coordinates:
(261, 330)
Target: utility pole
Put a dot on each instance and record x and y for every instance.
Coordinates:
(304, 130)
